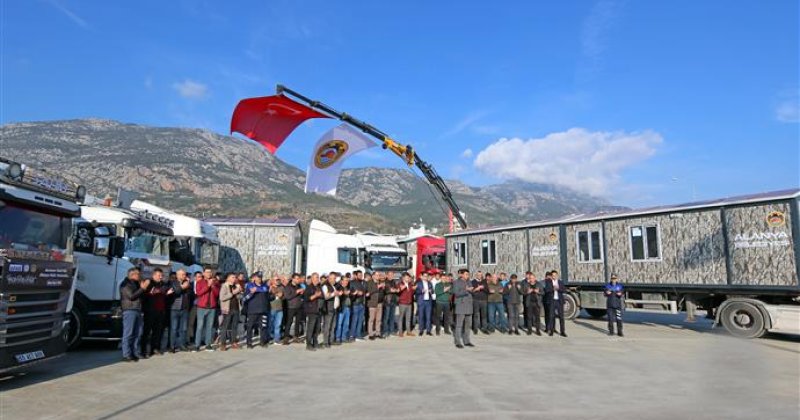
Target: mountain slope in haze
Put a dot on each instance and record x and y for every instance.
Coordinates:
(201, 173)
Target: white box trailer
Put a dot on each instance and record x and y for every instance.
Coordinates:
(738, 257)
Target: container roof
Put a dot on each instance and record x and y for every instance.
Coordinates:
(695, 205)
(253, 221)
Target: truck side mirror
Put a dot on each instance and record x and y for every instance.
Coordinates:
(101, 246)
(117, 247)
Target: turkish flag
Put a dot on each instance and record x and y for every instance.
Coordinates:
(270, 119)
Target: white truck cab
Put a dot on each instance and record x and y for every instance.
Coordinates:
(194, 244)
(135, 239)
(329, 251)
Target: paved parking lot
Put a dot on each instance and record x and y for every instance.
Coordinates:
(663, 368)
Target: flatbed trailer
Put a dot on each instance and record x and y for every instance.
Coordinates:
(738, 258)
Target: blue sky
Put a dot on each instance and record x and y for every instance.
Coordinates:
(641, 102)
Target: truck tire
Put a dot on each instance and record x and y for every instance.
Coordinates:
(571, 307)
(743, 319)
(77, 325)
(596, 313)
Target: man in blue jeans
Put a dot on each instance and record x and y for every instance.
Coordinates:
(275, 309)
(497, 316)
(131, 291)
(343, 317)
(179, 311)
(424, 296)
(207, 291)
(358, 289)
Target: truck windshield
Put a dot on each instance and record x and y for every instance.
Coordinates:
(208, 252)
(436, 260)
(147, 243)
(24, 229)
(388, 261)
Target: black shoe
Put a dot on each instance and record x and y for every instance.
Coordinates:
(620, 334)
(135, 359)
(469, 345)
(516, 332)
(371, 338)
(438, 333)
(510, 332)
(528, 332)
(145, 357)
(459, 346)
(447, 332)
(563, 334)
(429, 333)
(128, 359)
(550, 333)
(539, 333)
(311, 349)
(611, 333)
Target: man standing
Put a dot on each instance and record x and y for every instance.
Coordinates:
(329, 310)
(480, 304)
(514, 292)
(497, 318)
(375, 288)
(276, 307)
(463, 303)
(256, 300)
(293, 293)
(424, 295)
(532, 291)
(179, 311)
(311, 307)
(554, 303)
(614, 293)
(207, 291)
(192, 326)
(389, 305)
(131, 291)
(155, 313)
(230, 308)
(442, 315)
(357, 291)
(343, 317)
(405, 299)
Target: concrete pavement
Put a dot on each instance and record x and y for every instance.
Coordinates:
(663, 368)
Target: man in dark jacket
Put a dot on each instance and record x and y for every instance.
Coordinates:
(293, 295)
(180, 304)
(554, 303)
(131, 291)
(462, 291)
(256, 301)
(532, 290)
(442, 315)
(375, 287)
(424, 296)
(328, 309)
(389, 305)
(358, 290)
(480, 305)
(614, 293)
(311, 295)
(155, 313)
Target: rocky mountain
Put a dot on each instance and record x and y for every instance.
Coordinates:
(201, 173)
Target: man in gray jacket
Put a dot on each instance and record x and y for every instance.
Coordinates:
(462, 291)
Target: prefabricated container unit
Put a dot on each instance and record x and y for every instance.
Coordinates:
(711, 251)
(259, 244)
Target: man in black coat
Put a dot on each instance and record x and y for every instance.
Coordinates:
(131, 291)
(554, 303)
(256, 299)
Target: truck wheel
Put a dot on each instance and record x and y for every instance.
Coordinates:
(743, 319)
(571, 308)
(596, 313)
(77, 325)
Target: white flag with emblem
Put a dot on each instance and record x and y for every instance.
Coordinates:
(332, 149)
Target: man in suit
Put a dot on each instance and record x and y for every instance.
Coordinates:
(554, 303)
(462, 291)
(424, 296)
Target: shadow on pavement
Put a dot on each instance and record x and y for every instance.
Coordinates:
(89, 356)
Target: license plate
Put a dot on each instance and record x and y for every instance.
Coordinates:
(29, 357)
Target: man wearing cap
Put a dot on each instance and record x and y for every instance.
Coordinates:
(614, 293)
(462, 290)
(256, 301)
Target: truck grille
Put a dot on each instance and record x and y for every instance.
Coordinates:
(27, 317)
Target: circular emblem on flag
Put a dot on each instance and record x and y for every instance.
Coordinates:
(776, 219)
(329, 153)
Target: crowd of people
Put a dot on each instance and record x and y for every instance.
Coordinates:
(211, 312)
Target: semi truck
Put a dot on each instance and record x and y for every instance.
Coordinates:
(37, 266)
(329, 251)
(135, 238)
(428, 251)
(738, 258)
(194, 244)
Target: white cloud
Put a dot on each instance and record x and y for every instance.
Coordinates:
(586, 161)
(594, 36)
(465, 123)
(788, 108)
(190, 89)
(467, 153)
